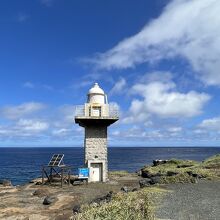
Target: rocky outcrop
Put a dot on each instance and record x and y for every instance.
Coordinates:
(124, 189)
(48, 200)
(40, 192)
(159, 162)
(106, 198)
(144, 182)
(76, 209)
(5, 182)
(149, 181)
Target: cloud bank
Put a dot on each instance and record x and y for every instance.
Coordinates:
(186, 29)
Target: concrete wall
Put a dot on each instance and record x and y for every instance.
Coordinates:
(95, 144)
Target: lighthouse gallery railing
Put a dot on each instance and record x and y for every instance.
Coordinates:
(112, 109)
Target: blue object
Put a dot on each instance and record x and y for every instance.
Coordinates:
(83, 172)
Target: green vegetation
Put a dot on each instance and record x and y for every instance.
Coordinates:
(179, 178)
(185, 171)
(119, 173)
(137, 205)
(212, 162)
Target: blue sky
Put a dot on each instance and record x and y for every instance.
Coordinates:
(157, 60)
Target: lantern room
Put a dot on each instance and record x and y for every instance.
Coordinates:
(97, 103)
(96, 95)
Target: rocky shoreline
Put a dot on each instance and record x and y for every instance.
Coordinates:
(35, 201)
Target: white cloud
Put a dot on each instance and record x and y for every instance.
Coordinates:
(210, 124)
(28, 85)
(136, 113)
(61, 132)
(158, 76)
(26, 122)
(18, 111)
(175, 129)
(67, 112)
(118, 87)
(188, 29)
(163, 100)
(24, 128)
(31, 125)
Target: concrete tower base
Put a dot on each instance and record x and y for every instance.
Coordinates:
(95, 146)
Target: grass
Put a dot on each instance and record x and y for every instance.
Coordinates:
(119, 173)
(212, 162)
(137, 205)
(210, 169)
(179, 178)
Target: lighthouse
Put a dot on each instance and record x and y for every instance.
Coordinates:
(95, 116)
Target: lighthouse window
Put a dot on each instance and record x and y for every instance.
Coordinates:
(96, 111)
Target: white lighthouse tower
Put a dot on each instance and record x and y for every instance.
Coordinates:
(95, 116)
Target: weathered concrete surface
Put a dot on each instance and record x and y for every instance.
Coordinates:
(95, 144)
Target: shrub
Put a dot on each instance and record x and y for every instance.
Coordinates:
(137, 205)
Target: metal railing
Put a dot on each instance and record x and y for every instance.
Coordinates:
(111, 110)
(79, 111)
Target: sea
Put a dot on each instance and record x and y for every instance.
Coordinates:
(20, 165)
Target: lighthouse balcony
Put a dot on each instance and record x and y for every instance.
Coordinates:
(97, 111)
(96, 114)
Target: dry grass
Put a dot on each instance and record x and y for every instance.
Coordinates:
(119, 173)
(137, 205)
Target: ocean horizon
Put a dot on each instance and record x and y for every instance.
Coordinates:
(21, 164)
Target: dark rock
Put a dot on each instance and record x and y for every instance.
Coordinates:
(195, 175)
(190, 173)
(155, 180)
(146, 174)
(139, 172)
(5, 182)
(198, 176)
(184, 165)
(159, 162)
(76, 209)
(124, 189)
(106, 198)
(38, 183)
(48, 200)
(40, 192)
(172, 173)
(144, 182)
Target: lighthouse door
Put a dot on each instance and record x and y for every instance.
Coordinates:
(96, 171)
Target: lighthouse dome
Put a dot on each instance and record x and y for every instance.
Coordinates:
(96, 95)
(96, 90)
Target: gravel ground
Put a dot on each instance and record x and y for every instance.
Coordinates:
(199, 201)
